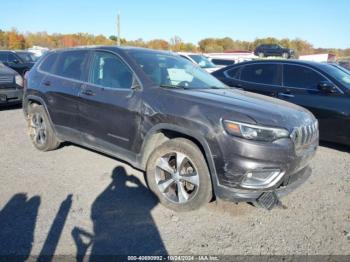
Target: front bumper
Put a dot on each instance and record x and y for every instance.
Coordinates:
(11, 95)
(286, 186)
(242, 156)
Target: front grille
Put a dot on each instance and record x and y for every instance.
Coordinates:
(6, 79)
(304, 135)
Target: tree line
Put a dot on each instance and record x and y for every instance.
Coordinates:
(16, 40)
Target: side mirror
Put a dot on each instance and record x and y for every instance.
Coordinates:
(327, 87)
(15, 61)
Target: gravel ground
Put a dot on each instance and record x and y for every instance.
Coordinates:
(73, 200)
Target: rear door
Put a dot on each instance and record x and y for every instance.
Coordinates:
(262, 78)
(109, 106)
(64, 77)
(300, 86)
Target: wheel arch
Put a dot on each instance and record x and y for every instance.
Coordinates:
(164, 132)
(33, 99)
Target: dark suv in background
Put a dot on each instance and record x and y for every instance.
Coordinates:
(322, 88)
(11, 86)
(20, 61)
(266, 50)
(194, 137)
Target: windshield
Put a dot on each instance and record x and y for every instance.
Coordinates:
(168, 70)
(26, 57)
(341, 75)
(202, 61)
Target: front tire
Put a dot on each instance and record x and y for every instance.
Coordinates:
(285, 55)
(178, 175)
(40, 130)
(261, 55)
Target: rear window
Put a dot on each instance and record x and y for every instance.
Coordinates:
(70, 64)
(48, 63)
(262, 74)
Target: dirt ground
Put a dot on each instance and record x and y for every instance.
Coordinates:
(74, 200)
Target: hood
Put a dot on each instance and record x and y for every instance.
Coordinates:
(263, 110)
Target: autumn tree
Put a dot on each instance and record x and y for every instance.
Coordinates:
(15, 40)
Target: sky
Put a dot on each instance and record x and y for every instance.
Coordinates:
(324, 23)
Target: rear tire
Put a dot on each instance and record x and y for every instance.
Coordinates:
(178, 175)
(40, 130)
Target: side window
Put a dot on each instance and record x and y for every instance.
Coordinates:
(262, 73)
(109, 71)
(11, 58)
(48, 64)
(233, 73)
(3, 57)
(71, 64)
(301, 77)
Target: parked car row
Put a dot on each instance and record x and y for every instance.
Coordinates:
(194, 137)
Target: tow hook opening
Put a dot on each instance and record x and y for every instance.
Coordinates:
(269, 200)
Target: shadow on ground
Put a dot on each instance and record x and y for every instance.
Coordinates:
(17, 224)
(122, 221)
(10, 107)
(335, 146)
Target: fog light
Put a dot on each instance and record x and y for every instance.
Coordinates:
(261, 178)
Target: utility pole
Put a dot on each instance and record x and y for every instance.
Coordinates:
(118, 29)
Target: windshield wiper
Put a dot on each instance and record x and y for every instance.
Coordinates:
(211, 87)
(217, 87)
(173, 86)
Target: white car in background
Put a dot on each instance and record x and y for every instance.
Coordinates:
(38, 51)
(200, 60)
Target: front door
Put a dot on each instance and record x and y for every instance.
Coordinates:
(109, 105)
(301, 87)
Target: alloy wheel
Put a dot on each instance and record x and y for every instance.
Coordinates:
(38, 130)
(176, 177)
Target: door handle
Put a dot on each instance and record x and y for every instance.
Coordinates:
(88, 92)
(47, 83)
(287, 95)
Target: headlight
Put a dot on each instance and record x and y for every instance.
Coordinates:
(19, 80)
(254, 132)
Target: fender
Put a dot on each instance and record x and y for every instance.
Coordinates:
(39, 100)
(196, 135)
